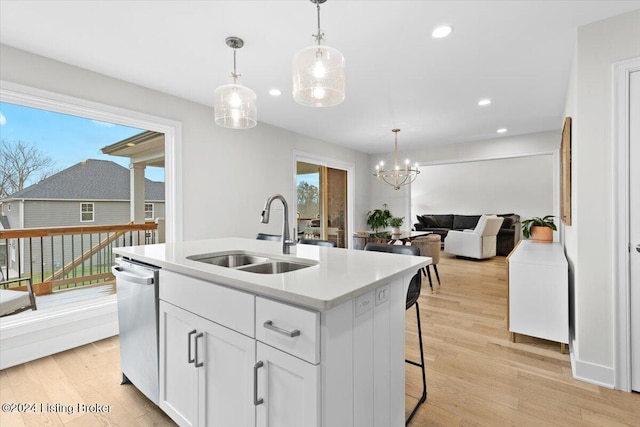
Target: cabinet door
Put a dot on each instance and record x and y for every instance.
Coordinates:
(226, 377)
(178, 376)
(289, 388)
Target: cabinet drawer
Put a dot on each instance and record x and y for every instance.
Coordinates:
(225, 306)
(276, 321)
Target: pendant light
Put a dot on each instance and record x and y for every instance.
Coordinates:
(318, 72)
(235, 105)
(398, 176)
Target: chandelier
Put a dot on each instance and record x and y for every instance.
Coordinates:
(235, 105)
(398, 176)
(318, 72)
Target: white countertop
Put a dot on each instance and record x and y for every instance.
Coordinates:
(530, 252)
(341, 274)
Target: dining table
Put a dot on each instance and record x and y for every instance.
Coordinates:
(391, 238)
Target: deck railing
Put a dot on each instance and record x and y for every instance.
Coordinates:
(60, 258)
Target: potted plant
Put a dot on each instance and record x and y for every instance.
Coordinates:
(539, 229)
(378, 218)
(396, 223)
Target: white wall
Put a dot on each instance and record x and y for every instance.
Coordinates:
(227, 175)
(522, 185)
(534, 144)
(588, 240)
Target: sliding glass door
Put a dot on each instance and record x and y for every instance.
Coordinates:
(322, 202)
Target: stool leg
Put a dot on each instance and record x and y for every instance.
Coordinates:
(423, 398)
(435, 268)
(429, 276)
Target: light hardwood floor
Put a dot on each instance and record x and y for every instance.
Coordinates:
(475, 374)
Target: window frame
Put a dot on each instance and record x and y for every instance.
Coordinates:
(153, 210)
(93, 212)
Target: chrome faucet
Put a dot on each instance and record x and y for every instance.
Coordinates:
(287, 242)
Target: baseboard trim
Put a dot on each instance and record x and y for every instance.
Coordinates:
(46, 333)
(591, 372)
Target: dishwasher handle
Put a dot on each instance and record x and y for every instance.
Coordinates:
(139, 280)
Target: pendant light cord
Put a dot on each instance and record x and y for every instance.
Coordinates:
(319, 36)
(234, 74)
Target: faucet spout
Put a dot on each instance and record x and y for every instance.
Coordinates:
(287, 242)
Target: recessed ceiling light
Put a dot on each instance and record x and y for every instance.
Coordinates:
(441, 32)
(275, 92)
(502, 130)
(484, 102)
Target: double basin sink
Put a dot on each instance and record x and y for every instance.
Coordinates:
(252, 262)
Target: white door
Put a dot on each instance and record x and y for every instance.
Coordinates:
(226, 390)
(634, 224)
(289, 389)
(178, 376)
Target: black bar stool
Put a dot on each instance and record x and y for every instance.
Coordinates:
(413, 293)
(318, 242)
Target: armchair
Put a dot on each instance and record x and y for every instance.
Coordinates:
(479, 243)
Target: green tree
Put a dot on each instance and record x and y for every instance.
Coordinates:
(308, 200)
(20, 164)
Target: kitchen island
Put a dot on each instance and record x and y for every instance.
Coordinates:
(319, 346)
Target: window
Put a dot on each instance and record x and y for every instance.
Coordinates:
(148, 211)
(86, 212)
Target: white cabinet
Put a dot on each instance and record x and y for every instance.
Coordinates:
(263, 362)
(203, 364)
(288, 390)
(539, 292)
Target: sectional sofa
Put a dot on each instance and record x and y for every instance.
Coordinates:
(508, 235)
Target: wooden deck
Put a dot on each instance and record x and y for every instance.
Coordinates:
(62, 300)
(476, 375)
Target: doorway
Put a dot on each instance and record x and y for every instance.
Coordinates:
(322, 202)
(634, 224)
(627, 215)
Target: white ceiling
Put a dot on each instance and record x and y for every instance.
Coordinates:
(518, 53)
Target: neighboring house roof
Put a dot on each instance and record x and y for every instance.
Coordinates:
(89, 180)
(4, 223)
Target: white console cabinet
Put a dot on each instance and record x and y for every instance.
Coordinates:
(539, 292)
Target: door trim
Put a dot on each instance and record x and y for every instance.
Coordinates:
(620, 254)
(302, 156)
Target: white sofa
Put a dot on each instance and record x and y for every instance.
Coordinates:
(479, 243)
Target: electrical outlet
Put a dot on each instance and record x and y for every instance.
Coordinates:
(364, 303)
(382, 294)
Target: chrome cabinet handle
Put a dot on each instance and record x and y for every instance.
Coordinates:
(269, 325)
(189, 358)
(638, 248)
(257, 366)
(198, 364)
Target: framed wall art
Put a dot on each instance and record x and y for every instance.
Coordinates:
(565, 172)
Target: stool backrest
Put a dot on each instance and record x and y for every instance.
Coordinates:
(318, 242)
(273, 237)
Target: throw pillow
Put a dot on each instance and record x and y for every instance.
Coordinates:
(507, 223)
(430, 221)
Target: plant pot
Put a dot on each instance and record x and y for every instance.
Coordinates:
(541, 234)
(395, 230)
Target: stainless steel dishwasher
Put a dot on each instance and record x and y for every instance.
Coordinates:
(137, 293)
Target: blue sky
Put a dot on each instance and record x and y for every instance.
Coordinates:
(66, 139)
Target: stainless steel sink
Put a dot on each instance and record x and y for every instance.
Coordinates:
(274, 267)
(252, 262)
(230, 260)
